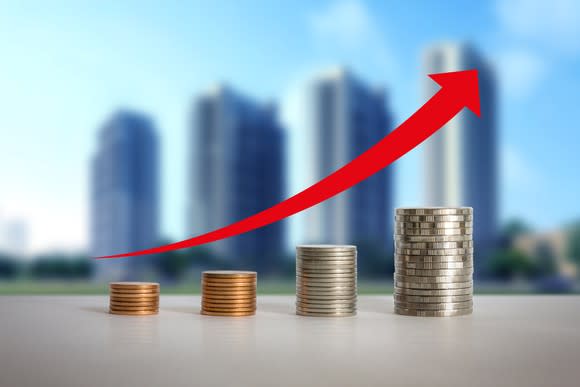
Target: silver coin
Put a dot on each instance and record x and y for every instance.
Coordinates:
(434, 292)
(328, 287)
(433, 218)
(433, 279)
(333, 297)
(433, 238)
(347, 275)
(433, 265)
(432, 300)
(434, 286)
(432, 225)
(332, 314)
(433, 245)
(433, 231)
(437, 306)
(324, 310)
(325, 304)
(325, 263)
(331, 248)
(326, 281)
(326, 257)
(436, 273)
(301, 266)
(434, 211)
(434, 252)
(433, 313)
(434, 258)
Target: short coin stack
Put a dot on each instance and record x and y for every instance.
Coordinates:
(434, 261)
(134, 298)
(228, 293)
(326, 280)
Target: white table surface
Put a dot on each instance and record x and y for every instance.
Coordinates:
(73, 341)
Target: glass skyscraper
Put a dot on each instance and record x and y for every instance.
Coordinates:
(461, 158)
(125, 194)
(237, 169)
(347, 117)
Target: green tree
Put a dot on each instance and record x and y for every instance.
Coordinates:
(508, 263)
(9, 267)
(513, 229)
(574, 242)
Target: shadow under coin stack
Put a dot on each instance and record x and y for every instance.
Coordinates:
(434, 261)
(134, 298)
(228, 293)
(326, 280)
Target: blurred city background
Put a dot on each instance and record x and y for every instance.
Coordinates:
(130, 124)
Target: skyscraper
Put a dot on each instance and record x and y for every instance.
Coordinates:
(236, 170)
(461, 158)
(125, 194)
(347, 118)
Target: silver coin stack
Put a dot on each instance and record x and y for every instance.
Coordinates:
(326, 280)
(434, 261)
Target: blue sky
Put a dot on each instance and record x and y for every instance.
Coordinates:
(66, 66)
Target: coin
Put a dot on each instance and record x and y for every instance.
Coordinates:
(434, 252)
(433, 225)
(431, 300)
(433, 313)
(326, 304)
(218, 307)
(133, 291)
(228, 297)
(434, 292)
(229, 302)
(325, 248)
(325, 265)
(434, 286)
(231, 287)
(134, 313)
(134, 285)
(133, 297)
(324, 310)
(436, 273)
(333, 314)
(314, 297)
(433, 231)
(434, 258)
(433, 218)
(229, 274)
(228, 314)
(133, 309)
(229, 310)
(350, 271)
(207, 292)
(435, 211)
(432, 238)
(135, 304)
(433, 279)
(433, 245)
(435, 306)
(326, 257)
(324, 274)
(433, 265)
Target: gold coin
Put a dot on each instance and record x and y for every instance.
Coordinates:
(133, 285)
(228, 297)
(228, 292)
(228, 314)
(229, 285)
(229, 274)
(133, 308)
(136, 304)
(229, 301)
(232, 309)
(134, 291)
(229, 280)
(212, 306)
(134, 313)
(134, 299)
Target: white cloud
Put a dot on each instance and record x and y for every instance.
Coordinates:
(554, 23)
(520, 72)
(347, 22)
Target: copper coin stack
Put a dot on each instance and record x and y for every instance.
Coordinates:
(434, 261)
(228, 293)
(134, 298)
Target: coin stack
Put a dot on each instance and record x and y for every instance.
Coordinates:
(134, 298)
(228, 293)
(434, 261)
(326, 280)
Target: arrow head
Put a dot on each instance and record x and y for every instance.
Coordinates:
(462, 86)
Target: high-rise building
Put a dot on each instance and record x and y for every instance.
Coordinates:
(461, 158)
(347, 117)
(125, 194)
(236, 170)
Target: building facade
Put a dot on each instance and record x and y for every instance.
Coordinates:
(125, 194)
(237, 169)
(346, 119)
(461, 158)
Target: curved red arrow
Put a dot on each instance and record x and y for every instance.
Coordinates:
(458, 90)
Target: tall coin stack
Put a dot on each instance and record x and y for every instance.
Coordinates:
(134, 298)
(228, 293)
(326, 280)
(434, 261)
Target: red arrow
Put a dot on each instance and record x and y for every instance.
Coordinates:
(458, 90)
